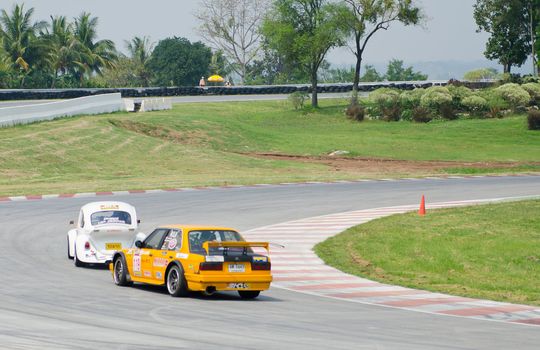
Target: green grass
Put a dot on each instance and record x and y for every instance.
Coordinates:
(206, 144)
(275, 127)
(488, 251)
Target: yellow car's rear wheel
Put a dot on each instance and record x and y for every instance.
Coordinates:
(249, 294)
(176, 282)
(120, 272)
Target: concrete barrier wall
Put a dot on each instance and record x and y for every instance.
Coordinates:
(7, 94)
(147, 104)
(106, 103)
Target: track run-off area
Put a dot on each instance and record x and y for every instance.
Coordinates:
(47, 303)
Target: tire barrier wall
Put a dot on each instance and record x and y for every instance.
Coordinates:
(40, 94)
(106, 103)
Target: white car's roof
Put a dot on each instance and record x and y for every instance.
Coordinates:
(107, 205)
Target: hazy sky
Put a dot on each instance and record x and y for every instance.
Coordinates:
(449, 32)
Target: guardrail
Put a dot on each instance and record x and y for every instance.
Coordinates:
(103, 103)
(39, 94)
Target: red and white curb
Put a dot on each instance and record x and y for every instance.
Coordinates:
(296, 267)
(199, 188)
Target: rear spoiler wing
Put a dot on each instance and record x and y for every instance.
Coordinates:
(245, 245)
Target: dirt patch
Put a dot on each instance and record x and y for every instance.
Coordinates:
(193, 137)
(390, 166)
(363, 264)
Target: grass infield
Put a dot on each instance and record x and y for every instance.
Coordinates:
(486, 251)
(224, 143)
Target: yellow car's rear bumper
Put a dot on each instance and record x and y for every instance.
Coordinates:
(198, 282)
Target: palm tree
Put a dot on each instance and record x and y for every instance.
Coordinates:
(19, 39)
(140, 51)
(66, 51)
(6, 69)
(95, 55)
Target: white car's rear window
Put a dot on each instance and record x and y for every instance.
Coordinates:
(110, 217)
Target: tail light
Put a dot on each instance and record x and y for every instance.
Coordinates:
(87, 245)
(260, 266)
(211, 266)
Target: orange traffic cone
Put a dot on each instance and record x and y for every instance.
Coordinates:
(422, 210)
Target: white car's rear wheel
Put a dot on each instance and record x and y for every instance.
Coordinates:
(76, 261)
(68, 252)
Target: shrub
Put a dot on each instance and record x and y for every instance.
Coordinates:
(407, 114)
(496, 105)
(533, 119)
(506, 78)
(298, 98)
(438, 100)
(530, 79)
(534, 91)
(387, 103)
(475, 104)
(411, 98)
(421, 115)
(514, 95)
(458, 94)
(355, 112)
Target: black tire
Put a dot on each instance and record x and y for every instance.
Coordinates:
(69, 256)
(76, 261)
(176, 282)
(249, 294)
(120, 272)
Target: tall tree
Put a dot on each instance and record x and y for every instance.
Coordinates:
(397, 71)
(232, 26)
(140, 51)
(65, 50)
(508, 23)
(19, 39)
(97, 54)
(370, 16)
(6, 68)
(177, 61)
(533, 11)
(303, 31)
(538, 46)
(273, 68)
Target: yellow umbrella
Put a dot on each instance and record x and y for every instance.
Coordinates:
(215, 79)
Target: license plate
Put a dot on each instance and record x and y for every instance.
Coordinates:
(238, 286)
(237, 268)
(113, 246)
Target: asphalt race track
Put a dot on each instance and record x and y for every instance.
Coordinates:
(47, 303)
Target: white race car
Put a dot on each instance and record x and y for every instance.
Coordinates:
(102, 229)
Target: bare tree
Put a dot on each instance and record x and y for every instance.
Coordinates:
(233, 27)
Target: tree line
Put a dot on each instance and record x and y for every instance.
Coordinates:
(254, 41)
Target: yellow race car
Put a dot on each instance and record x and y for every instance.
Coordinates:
(195, 258)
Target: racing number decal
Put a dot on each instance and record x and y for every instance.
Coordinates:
(137, 262)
